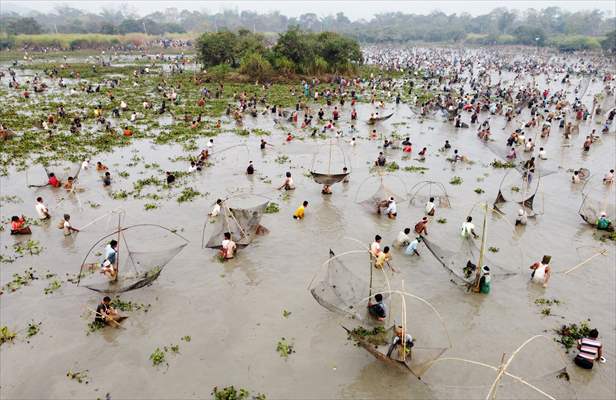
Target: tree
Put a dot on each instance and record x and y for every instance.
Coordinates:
(26, 26)
(609, 43)
(217, 48)
(255, 66)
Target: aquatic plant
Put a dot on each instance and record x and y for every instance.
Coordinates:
(21, 280)
(33, 247)
(375, 336)
(455, 180)
(188, 194)
(413, 169)
(33, 329)
(79, 376)
(392, 166)
(6, 335)
(284, 348)
(231, 393)
(286, 313)
(186, 338)
(272, 208)
(95, 326)
(129, 306)
(442, 220)
(157, 357)
(493, 249)
(149, 206)
(569, 334)
(53, 286)
(500, 164)
(281, 159)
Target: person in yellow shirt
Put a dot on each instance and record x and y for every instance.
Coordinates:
(299, 213)
(382, 258)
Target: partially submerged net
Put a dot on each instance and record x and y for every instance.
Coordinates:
(373, 120)
(423, 191)
(329, 159)
(61, 169)
(137, 265)
(515, 187)
(243, 224)
(328, 179)
(383, 193)
(595, 201)
(342, 291)
(456, 261)
(500, 149)
(421, 321)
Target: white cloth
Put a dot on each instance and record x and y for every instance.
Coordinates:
(215, 210)
(391, 208)
(539, 274)
(66, 226)
(429, 207)
(467, 229)
(41, 210)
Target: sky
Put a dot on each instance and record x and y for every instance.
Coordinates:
(352, 9)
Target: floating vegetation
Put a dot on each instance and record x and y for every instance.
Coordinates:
(95, 326)
(119, 195)
(500, 164)
(186, 338)
(272, 208)
(150, 206)
(569, 334)
(129, 306)
(93, 204)
(124, 174)
(375, 336)
(53, 286)
(281, 159)
(392, 167)
(21, 280)
(286, 313)
(79, 376)
(157, 357)
(456, 180)
(32, 247)
(188, 194)
(33, 329)
(479, 190)
(548, 302)
(442, 220)
(284, 348)
(6, 335)
(10, 199)
(493, 249)
(415, 169)
(230, 393)
(515, 189)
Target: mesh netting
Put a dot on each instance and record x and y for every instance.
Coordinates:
(372, 203)
(61, 169)
(341, 291)
(500, 149)
(456, 261)
(515, 188)
(242, 223)
(595, 202)
(378, 119)
(136, 267)
(327, 179)
(421, 193)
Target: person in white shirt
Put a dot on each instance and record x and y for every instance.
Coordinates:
(193, 167)
(216, 210)
(430, 207)
(41, 209)
(352, 143)
(468, 228)
(210, 144)
(85, 164)
(403, 238)
(375, 247)
(522, 218)
(543, 154)
(608, 179)
(133, 116)
(392, 209)
(67, 227)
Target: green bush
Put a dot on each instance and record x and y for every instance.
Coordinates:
(255, 66)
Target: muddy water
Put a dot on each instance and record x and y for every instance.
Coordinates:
(233, 311)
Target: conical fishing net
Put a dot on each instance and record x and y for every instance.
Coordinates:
(516, 188)
(455, 262)
(328, 179)
(422, 192)
(542, 167)
(137, 266)
(372, 203)
(595, 202)
(343, 292)
(242, 223)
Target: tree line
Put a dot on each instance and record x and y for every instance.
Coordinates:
(295, 52)
(552, 26)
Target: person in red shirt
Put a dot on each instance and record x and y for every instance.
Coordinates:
(53, 181)
(289, 137)
(18, 226)
(127, 132)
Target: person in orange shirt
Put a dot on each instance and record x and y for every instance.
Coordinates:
(18, 226)
(53, 181)
(127, 132)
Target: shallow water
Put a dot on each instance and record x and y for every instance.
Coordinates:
(234, 311)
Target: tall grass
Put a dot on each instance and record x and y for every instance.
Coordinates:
(72, 41)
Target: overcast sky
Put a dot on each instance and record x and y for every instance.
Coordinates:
(353, 9)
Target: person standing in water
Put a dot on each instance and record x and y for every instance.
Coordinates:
(541, 271)
(590, 349)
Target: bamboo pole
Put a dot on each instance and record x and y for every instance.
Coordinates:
(476, 286)
(602, 252)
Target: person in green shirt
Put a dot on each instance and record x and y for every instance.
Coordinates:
(604, 224)
(485, 283)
